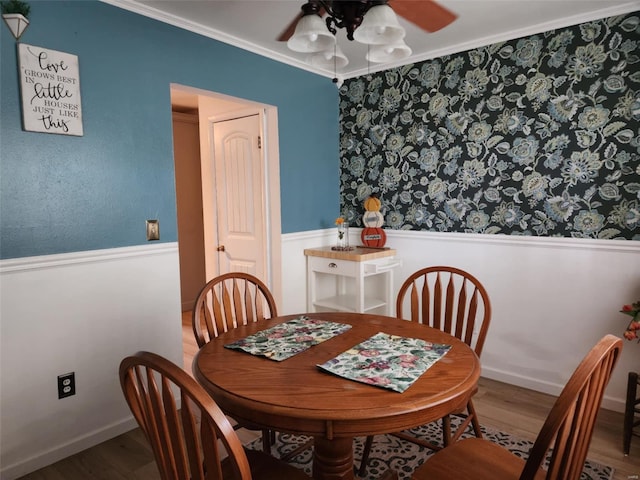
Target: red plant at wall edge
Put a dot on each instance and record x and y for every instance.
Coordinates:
(633, 329)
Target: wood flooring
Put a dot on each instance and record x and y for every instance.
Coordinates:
(516, 410)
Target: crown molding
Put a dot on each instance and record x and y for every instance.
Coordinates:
(563, 22)
(203, 30)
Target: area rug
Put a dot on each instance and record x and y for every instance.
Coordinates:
(404, 457)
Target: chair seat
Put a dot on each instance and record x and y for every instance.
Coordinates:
(266, 467)
(483, 460)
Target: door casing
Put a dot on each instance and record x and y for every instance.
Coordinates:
(213, 107)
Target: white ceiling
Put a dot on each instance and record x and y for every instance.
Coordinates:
(254, 25)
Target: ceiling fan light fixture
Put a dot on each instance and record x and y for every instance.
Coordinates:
(379, 26)
(333, 58)
(311, 35)
(370, 22)
(388, 53)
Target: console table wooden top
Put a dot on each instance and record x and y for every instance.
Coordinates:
(358, 254)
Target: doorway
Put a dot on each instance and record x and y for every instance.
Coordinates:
(195, 113)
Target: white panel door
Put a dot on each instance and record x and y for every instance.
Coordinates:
(240, 205)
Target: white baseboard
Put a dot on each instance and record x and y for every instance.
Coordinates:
(608, 402)
(59, 452)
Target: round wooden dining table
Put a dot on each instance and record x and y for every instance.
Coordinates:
(296, 396)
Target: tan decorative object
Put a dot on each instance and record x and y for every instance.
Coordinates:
(373, 235)
(372, 204)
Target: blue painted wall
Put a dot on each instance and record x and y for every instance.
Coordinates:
(64, 194)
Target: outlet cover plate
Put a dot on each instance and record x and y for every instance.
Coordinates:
(66, 385)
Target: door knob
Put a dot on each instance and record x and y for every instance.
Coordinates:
(220, 248)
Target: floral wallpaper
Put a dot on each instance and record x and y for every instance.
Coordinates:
(535, 136)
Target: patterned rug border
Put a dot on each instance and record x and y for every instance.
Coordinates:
(404, 457)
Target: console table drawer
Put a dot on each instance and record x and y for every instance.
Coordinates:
(333, 266)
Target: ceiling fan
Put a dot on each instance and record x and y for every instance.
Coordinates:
(426, 14)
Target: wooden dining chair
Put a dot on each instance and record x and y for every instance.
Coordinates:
(228, 301)
(224, 303)
(454, 301)
(567, 431)
(190, 436)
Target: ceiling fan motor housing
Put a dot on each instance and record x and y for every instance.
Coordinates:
(347, 14)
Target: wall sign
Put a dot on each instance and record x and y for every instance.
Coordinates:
(50, 89)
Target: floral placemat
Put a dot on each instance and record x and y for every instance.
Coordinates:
(285, 340)
(387, 361)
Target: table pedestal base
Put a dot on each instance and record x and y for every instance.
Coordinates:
(333, 459)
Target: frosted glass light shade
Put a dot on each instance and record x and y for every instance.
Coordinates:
(311, 35)
(379, 27)
(333, 58)
(388, 53)
(17, 23)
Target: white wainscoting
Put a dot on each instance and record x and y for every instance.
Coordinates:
(80, 312)
(552, 298)
(83, 312)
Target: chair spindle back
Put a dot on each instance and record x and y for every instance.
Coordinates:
(228, 301)
(450, 300)
(184, 426)
(570, 423)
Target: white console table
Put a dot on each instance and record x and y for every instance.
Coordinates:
(358, 280)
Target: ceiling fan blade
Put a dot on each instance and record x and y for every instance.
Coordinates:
(426, 14)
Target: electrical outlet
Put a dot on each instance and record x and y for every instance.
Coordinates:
(153, 230)
(66, 385)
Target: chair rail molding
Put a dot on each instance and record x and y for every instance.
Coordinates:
(49, 261)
